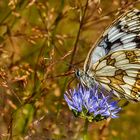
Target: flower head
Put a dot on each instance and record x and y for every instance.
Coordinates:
(91, 103)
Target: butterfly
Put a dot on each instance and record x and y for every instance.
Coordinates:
(114, 61)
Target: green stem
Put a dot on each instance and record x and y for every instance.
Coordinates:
(85, 131)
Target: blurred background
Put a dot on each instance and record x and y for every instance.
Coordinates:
(39, 39)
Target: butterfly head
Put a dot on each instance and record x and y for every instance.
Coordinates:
(84, 78)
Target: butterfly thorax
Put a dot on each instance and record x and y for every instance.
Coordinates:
(85, 79)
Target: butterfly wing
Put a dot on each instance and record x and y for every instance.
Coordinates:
(119, 71)
(122, 35)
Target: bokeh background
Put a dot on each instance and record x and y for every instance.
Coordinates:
(41, 43)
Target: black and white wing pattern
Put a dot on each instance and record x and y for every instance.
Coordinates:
(119, 71)
(124, 34)
(114, 62)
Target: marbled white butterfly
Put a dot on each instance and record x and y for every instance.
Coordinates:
(114, 61)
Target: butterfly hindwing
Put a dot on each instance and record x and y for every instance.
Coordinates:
(119, 71)
(124, 34)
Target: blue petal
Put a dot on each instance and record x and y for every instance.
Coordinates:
(93, 100)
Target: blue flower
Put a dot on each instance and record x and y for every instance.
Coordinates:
(91, 103)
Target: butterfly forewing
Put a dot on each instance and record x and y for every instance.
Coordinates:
(124, 34)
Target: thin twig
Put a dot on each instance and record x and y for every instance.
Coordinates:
(78, 35)
(9, 131)
(102, 129)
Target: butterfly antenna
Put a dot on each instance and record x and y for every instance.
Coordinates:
(73, 66)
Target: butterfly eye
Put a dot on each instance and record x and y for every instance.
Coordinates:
(78, 73)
